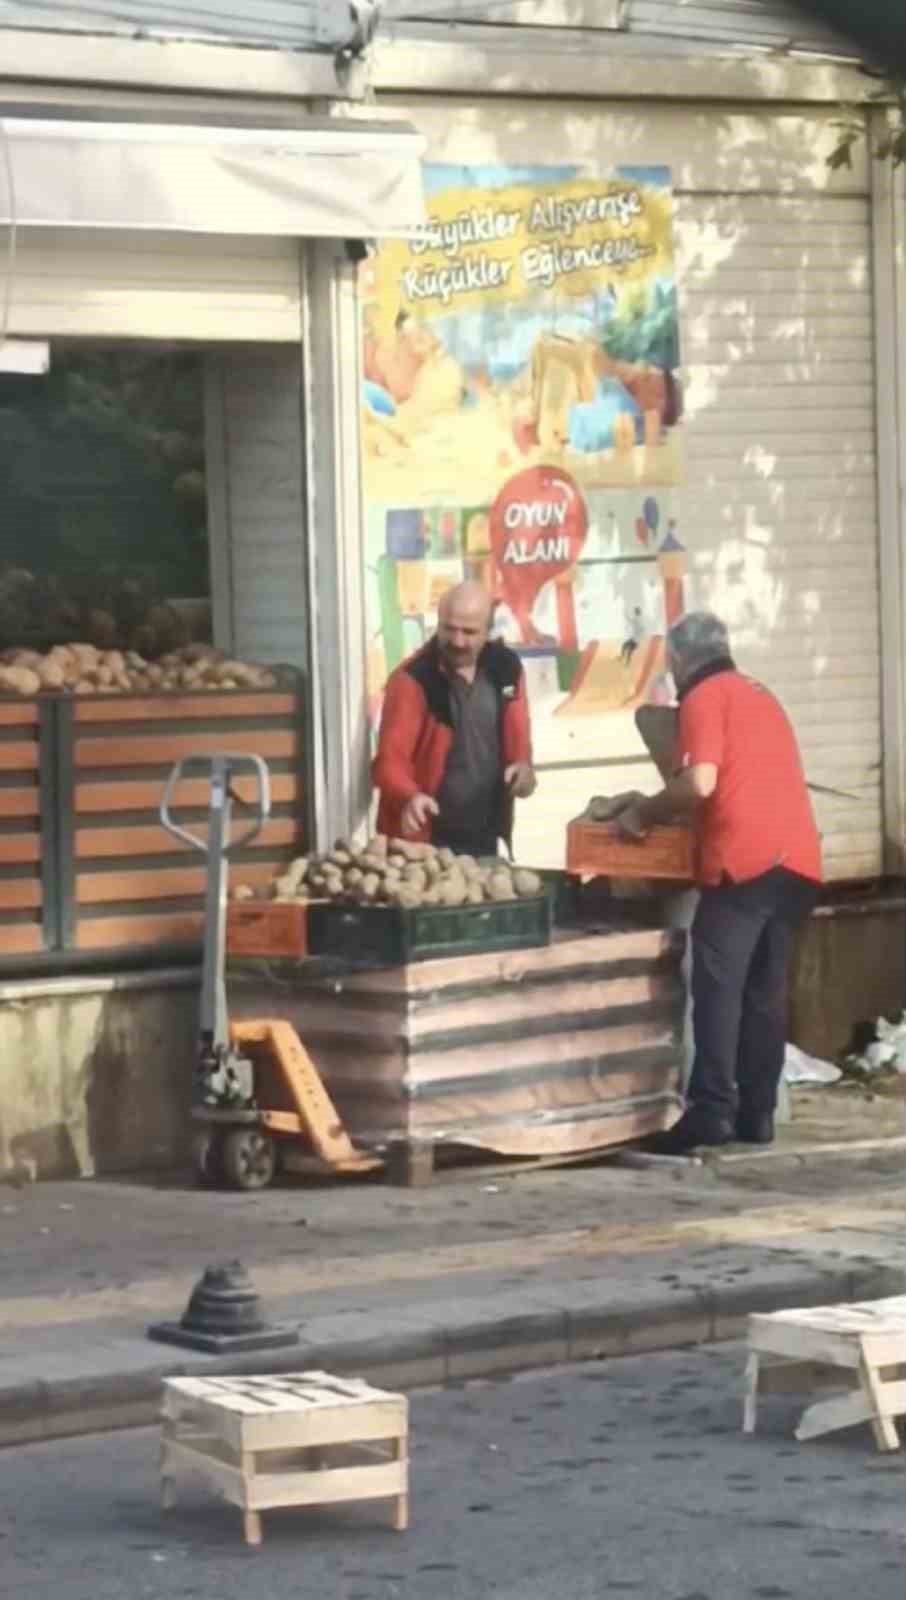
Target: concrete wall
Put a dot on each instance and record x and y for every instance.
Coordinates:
(95, 1074)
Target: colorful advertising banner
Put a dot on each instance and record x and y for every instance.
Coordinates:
(522, 419)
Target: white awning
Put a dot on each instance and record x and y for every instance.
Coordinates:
(330, 179)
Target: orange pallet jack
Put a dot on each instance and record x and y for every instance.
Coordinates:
(257, 1095)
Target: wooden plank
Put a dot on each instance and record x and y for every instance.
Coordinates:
(106, 933)
(517, 966)
(20, 938)
(18, 713)
(111, 795)
(546, 1050)
(149, 750)
(527, 1004)
(270, 1489)
(319, 1425)
(20, 894)
(802, 1344)
(20, 802)
(19, 847)
(18, 757)
(826, 1416)
(153, 839)
(211, 705)
(106, 888)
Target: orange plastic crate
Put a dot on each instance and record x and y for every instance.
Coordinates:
(597, 849)
(267, 928)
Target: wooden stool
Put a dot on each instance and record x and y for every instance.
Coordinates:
(801, 1350)
(299, 1440)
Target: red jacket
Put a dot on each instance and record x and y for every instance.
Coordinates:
(417, 732)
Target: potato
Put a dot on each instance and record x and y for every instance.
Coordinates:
(283, 888)
(431, 896)
(433, 869)
(295, 872)
(378, 846)
(242, 891)
(500, 886)
(474, 894)
(397, 860)
(370, 886)
(446, 857)
(84, 687)
(450, 893)
(407, 899)
(526, 883)
(339, 858)
(416, 877)
(52, 674)
(19, 680)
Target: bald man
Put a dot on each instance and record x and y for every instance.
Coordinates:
(455, 748)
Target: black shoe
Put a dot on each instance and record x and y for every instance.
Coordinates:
(691, 1132)
(755, 1128)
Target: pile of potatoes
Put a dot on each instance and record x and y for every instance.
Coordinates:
(85, 669)
(396, 873)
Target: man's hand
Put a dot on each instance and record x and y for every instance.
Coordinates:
(416, 814)
(629, 823)
(520, 780)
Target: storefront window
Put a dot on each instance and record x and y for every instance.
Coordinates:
(103, 517)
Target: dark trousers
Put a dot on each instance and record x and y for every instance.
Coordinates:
(741, 945)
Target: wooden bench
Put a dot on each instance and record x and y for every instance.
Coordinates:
(810, 1348)
(301, 1439)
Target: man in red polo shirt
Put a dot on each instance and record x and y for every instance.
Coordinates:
(738, 776)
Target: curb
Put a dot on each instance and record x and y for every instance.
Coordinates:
(659, 1320)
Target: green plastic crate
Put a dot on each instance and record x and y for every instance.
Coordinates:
(390, 936)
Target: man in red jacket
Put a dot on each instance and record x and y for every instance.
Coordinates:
(738, 777)
(454, 750)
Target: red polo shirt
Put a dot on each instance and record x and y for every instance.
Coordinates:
(760, 814)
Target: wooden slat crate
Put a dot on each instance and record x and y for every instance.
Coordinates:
(268, 928)
(598, 849)
(21, 884)
(85, 865)
(134, 884)
(535, 1052)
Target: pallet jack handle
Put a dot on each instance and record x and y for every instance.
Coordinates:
(219, 770)
(219, 845)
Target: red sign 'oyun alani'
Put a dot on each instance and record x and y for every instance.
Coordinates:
(538, 526)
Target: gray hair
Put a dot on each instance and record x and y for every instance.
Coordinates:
(696, 640)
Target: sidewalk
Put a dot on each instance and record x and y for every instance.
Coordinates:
(482, 1273)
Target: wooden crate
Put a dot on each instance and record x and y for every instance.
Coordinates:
(267, 928)
(21, 855)
(574, 1046)
(804, 1348)
(598, 849)
(85, 865)
(299, 1440)
(134, 884)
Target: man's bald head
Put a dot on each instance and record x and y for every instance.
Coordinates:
(464, 622)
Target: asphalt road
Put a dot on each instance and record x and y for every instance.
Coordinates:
(627, 1478)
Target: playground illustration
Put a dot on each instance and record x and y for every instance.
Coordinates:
(584, 585)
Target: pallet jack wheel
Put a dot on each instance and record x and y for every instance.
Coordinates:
(207, 1157)
(249, 1158)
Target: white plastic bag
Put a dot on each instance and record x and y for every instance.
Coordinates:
(801, 1068)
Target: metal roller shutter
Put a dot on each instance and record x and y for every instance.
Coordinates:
(781, 506)
(90, 284)
(256, 506)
